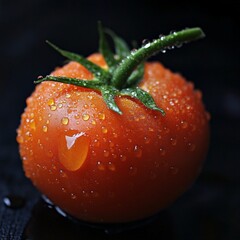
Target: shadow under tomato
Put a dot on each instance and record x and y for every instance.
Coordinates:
(46, 223)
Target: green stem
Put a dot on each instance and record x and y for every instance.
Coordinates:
(128, 65)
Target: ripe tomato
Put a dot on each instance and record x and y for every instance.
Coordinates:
(100, 166)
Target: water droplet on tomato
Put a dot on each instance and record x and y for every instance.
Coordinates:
(20, 139)
(184, 124)
(173, 141)
(111, 166)
(191, 147)
(137, 151)
(162, 151)
(85, 117)
(51, 102)
(104, 130)
(132, 171)
(45, 128)
(101, 116)
(68, 95)
(73, 196)
(173, 170)
(53, 107)
(65, 121)
(106, 153)
(100, 166)
(73, 149)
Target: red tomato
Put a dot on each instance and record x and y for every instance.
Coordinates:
(100, 166)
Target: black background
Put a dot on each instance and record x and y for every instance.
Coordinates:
(210, 209)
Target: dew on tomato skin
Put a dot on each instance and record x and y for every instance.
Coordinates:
(49, 153)
(20, 139)
(132, 171)
(173, 170)
(104, 130)
(85, 117)
(45, 128)
(184, 124)
(137, 151)
(162, 151)
(65, 120)
(191, 147)
(60, 105)
(68, 95)
(51, 102)
(53, 107)
(111, 166)
(73, 196)
(73, 150)
(101, 116)
(173, 141)
(100, 166)
(62, 174)
(123, 158)
(106, 153)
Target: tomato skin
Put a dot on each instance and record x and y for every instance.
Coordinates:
(100, 166)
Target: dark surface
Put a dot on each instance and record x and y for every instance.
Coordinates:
(210, 209)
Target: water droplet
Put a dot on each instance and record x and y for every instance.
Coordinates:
(85, 117)
(65, 121)
(173, 141)
(32, 124)
(163, 50)
(45, 128)
(49, 153)
(101, 116)
(106, 153)
(111, 166)
(144, 42)
(20, 139)
(173, 170)
(162, 151)
(51, 102)
(53, 107)
(90, 97)
(133, 51)
(147, 45)
(73, 196)
(132, 171)
(150, 129)
(93, 122)
(100, 166)
(60, 105)
(137, 151)
(13, 201)
(123, 158)
(104, 130)
(73, 149)
(161, 36)
(146, 140)
(184, 124)
(68, 95)
(191, 147)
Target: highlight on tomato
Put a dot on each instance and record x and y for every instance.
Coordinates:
(113, 138)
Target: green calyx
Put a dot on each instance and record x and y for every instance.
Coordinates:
(125, 67)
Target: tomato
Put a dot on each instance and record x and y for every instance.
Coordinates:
(101, 166)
